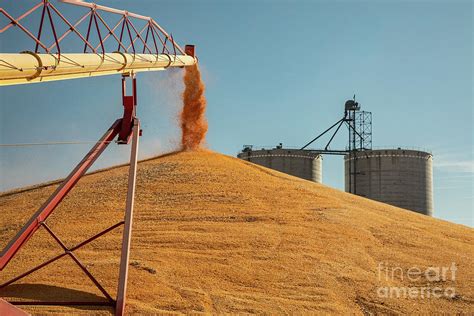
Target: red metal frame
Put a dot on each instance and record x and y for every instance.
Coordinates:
(156, 41)
(49, 206)
(128, 127)
(95, 18)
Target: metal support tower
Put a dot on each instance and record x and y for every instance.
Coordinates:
(359, 125)
(360, 138)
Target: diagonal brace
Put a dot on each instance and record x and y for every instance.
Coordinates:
(77, 261)
(85, 242)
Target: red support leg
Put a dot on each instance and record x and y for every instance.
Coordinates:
(127, 229)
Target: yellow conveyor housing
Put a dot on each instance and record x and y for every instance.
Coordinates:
(31, 67)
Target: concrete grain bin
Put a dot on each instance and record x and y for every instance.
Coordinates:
(304, 164)
(399, 177)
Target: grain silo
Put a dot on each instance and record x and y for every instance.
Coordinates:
(305, 164)
(399, 177)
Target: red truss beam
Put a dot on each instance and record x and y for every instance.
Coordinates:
(95, 22)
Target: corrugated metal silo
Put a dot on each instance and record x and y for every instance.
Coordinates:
(399, 177)
(304, 164)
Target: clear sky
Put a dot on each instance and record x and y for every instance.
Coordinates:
(276, 71)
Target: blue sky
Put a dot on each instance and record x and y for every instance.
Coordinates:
(276, 71)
